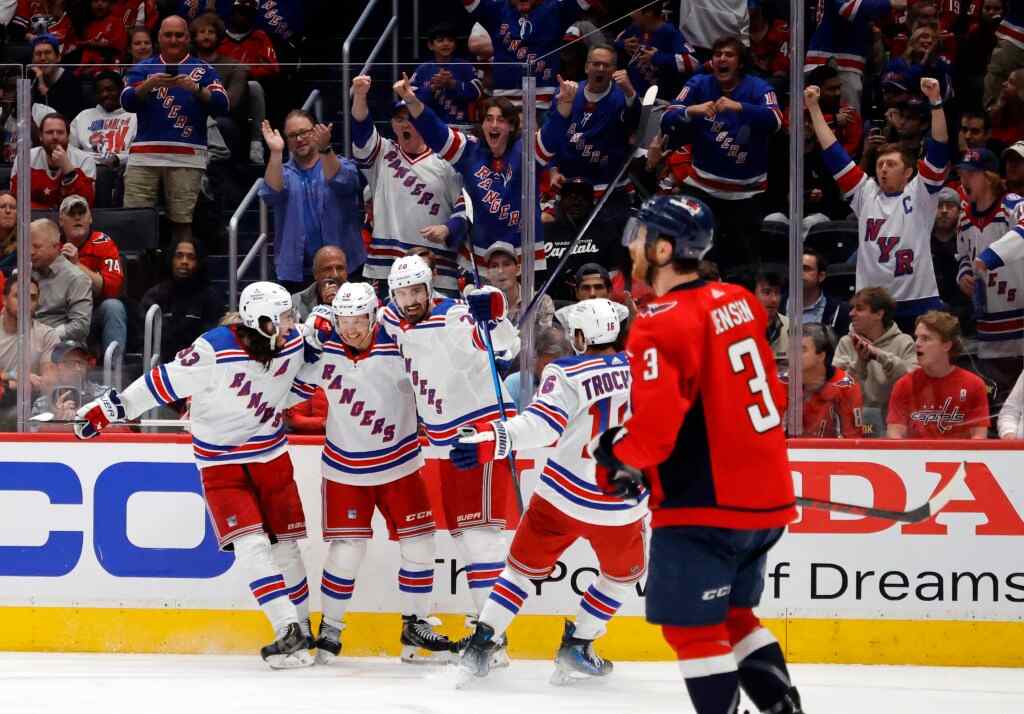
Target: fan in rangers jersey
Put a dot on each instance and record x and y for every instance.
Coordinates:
(417, 196)
(580, 396)
(371, 459)
(895, 213)
(238, 377)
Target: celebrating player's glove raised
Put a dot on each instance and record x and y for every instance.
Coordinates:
(614, 477)
(98, 414)
(320, 323)
(486, 304)
(480, 444)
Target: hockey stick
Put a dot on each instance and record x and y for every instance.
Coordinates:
(486, 332)
(645, 114)
(923, 512)
(50, 418)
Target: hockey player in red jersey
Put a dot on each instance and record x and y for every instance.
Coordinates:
(238, 377)
(579, 396)
(706, 437)
(371, 461)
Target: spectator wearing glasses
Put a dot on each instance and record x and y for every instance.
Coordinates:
(316, 198)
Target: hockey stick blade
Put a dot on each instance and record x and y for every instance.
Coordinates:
(922, 513)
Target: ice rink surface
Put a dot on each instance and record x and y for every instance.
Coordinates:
(198, 684)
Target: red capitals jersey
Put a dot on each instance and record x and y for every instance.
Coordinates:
(944, 408)
(834, 411)
(108, 32)
(255, 50)
(100, 255)
(706, 426)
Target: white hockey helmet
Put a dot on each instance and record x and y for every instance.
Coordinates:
(407, 271)
(597, 318)
(354, 299)
(264, 301)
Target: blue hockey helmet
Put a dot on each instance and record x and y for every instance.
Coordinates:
(684, 219)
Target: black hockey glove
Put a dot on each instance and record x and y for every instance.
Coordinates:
(614, 477)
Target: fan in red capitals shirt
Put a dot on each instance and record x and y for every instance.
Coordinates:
(58, 170)
(94, 252)
(939, 400)
(247, 45)
(832, 399)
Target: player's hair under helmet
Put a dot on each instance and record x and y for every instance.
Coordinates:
(264, 301)
(687, 221)
(354, 299)
(407, 271)
(598, 319)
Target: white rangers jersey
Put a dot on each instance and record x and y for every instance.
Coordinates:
(371, 412)
(445, 357)
(409, 193)
(895, 230)
(579, 398)
(997, 237)
(237, 403)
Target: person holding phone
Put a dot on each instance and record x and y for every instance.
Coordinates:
(70, 386)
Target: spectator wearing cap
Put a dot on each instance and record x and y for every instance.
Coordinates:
(1007, 110)
(844, 32)
(417, 198)
(601, 244)
(1009, 53)
(729, 117)
(1013, 168)
(106, 131)
(58, 169)
(818, 307)
(989, 248)
(591, 280)
(656, 51)
(54, 85)
(42, 337)
(245, 44)
(895, 87)
(447, 85)
(944, 256)
(603, 118)
(71, 386)
(208, 31)
(503, 272)
(875, 352)
(330, 272)
(844, 119)
(65, 292)
(833, 404)
(96, 255)
(173, 94)
(316, 198)
(189, 302)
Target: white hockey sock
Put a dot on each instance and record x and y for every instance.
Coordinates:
(416, 576)
(485, 551)
(505, 599)
(598, 605)
(265, 580)
(339, 580)
(289, 560)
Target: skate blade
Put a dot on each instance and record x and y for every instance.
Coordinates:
(324, 657)
(415, 655)
(568, 677)
(295, 660)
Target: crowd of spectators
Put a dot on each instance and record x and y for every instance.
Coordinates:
(913, 157)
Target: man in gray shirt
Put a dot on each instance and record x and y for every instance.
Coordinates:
(65, 292)
(43, 339)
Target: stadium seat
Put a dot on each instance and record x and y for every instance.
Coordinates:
(836, 240)
(773, 242)
(5, 176)
(841, 281)
(106, 186)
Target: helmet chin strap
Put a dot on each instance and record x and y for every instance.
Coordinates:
(271, 337)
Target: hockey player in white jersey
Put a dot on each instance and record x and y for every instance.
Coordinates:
(445, 356)
(238, 377)
(579, 397)
(371, 458)
(896, 212)
(991, 237)
(417, 196)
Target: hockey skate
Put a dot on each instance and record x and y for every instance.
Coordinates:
(328, 643)
(789, 704)
(576, 659)
(499, 655)
(418, 636)
(289, 650)
(476, 657)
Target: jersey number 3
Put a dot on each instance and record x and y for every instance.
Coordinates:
(763, 416)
